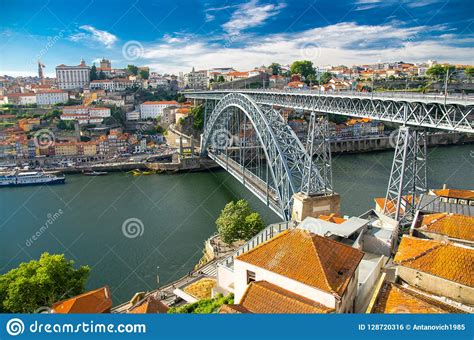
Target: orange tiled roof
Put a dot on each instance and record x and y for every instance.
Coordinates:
(334, 218)
(443, 259)
(451, 225)
(95, 301)
(455, 193)
(233, 309)
(395, 299)
(308, 258)
(380, 201)
(265, 298)
(149, 305)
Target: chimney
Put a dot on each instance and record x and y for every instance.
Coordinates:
(445, 186)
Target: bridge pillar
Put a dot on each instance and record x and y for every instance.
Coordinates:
(408, 175)
(305, 205)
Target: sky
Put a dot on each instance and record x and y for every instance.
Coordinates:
(174, 36)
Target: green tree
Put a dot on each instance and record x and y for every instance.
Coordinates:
(93, 74)
(197, 112)
(220, 79)
(303, 67)
(276, 68)
(469, 72)
(438, 72)
(237, 221)
(102, 75)
(144, 74)
(40, 283)
(326, 77)
(65, 125)
(132, 69)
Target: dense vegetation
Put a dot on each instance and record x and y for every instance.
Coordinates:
(238, 221)
(204, 306)
(40, 283)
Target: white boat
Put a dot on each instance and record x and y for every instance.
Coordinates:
(29, 178)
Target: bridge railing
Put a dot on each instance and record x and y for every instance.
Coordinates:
(458, 97)
(266, 234)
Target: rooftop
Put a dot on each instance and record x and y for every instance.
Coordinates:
(265, 298)
(443, 259)
(149, 305)
(311, 259)
(94, 301)
(452, 225)
(395, 299)
(455, 193)
(163, 102)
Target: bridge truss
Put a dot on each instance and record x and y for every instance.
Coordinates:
(291, 167)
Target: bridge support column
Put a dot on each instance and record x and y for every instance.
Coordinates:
(408, 175)
(305, 205)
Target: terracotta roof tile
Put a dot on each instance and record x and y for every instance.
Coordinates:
(451, 225)
(443, 259)
(395, 299)
(334, 218)
(94, 301)
(150, 305)
(308, 258)
(455, 193)
(265, 298)
(233, 309)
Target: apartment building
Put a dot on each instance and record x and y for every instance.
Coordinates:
(73, 77)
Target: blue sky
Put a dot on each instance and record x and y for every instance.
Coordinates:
(173, 36)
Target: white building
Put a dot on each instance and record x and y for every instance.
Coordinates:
(85, 114)
(21, 98)
(155, 109)
(117, 84)
(197, 79)
(295, 272)
(73, 77)
(134, 115)
(51, 97)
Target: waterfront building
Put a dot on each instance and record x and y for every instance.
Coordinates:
(438, 267)
(444, 226)
(73, 77)
(65, 149)
(454, 196)
(302, 266)
(154, 109)
(51, 97)
(92, 302)
(394, 298)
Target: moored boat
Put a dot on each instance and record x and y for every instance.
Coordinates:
(95, 173)
(29, 178)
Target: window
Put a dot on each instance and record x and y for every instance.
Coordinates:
(250, 276)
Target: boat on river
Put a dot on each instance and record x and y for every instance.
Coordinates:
(17, 178)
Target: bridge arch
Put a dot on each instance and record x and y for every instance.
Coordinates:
(284, 152)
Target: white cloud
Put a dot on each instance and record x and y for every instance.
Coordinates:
(249, 15)
(345, 43)
(106, 38)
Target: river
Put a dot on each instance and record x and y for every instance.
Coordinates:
(177, 212)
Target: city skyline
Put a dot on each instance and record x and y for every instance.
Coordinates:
(239, 34)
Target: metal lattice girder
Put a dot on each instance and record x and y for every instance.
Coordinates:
(283, 151)
(421, 111)
(317, 172)
(408, 174)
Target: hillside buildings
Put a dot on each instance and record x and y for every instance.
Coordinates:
(154, 109)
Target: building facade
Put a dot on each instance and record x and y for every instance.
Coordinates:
(73, 77)
(155, 109)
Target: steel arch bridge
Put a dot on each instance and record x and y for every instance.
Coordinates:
(294, 167)
(286, 157)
